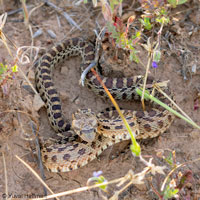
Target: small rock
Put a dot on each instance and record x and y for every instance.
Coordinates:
(77, 101)
(37, 102)
(141, 187)
(194, 134)
(63, 95)
(15, 122)
(64, 71)
(31, 75)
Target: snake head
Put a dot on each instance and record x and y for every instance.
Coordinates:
(85, 124)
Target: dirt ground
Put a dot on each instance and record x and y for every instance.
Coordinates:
(177, 65)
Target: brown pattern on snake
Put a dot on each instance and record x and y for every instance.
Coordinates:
(71, 154)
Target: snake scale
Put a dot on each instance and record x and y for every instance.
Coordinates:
(66, 151)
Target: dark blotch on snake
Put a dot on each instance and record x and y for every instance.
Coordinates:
(81, 151)
(89, 86)
(48, 84)
(152, 113)
(89, 57)
(78, 165)
(57, 115)
(109, 83)
(45, 157)
(123, 90)
(67, 127)
(160, 124)
(119, 83)
(59, 48)
(70, 167)
(114, 95)
(160, 115)
(132, 124)
(46, 64)
(117, 120)
(48, 58)
(147, 127)
(82, 44)
(54, 158)
(56, 107)
(61, 123)
(75, 41)
(48, 149)
(139, 114)
(133, 96)
(89, 48)
(148, 119)
(129, 82)
(124, 96)
(52, 52)
(53, 99)
(125, 136)
(66, 157)
(119, 127)
(46, 77)
(101, 93)
(169, 118)
(61, 149)
(66, 43)
(58, 169)
(93, 145)
(100, 138)
(96, 82)
(75, 146)
(106, 127)
(89, 75)
(45, 70)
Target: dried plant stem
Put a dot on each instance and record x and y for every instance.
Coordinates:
(5, 174)
(36, 175)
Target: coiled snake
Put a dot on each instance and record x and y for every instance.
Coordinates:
(69, 152)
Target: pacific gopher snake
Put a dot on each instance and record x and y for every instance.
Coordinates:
(69, 153)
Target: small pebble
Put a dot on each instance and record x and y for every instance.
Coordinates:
(64, 71)
(51, 34)
(63, 95)
(31, 75)
(38, 33)
(37, 102)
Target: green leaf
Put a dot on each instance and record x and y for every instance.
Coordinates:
(170, 192)
(14, 68)
(147, 96)
(169, 159)
(146, 23)
(135, 148)
(181, 2)
(156, 56)
(112, 29)
(133, 57)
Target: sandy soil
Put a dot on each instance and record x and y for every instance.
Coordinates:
(115, 162)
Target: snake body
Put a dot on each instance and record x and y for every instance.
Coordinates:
(70, 153)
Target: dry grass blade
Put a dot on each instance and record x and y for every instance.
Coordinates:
(136, 148)
(172, 171)
(36, 175)
(5, 174)
(3, 18)
(79, 189)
